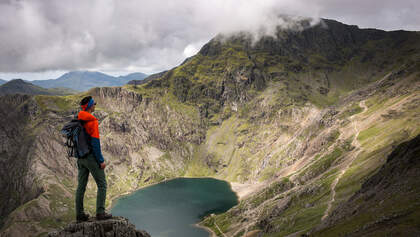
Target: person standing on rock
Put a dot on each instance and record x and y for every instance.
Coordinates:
(92, 163)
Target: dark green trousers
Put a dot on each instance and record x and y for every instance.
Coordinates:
(86, 166)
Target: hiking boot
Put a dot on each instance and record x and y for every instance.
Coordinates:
(82, 218)
(103, 216)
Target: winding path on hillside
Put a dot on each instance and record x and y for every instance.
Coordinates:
(355, 143)
(217, 226)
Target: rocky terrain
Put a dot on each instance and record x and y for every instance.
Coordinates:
(117, 226)
(297, 123)
(395, 182)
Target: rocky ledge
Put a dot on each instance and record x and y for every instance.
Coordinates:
(117, 226)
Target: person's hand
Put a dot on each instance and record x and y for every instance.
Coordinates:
(103, 165)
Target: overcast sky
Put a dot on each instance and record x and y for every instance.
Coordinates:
(41, 39)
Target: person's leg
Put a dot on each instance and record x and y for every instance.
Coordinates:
(100, 179)
(83, 174)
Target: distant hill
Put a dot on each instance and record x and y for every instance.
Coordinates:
(147, 79)
(85, 80)
(19, 86)
(133, 76)
(2, 81)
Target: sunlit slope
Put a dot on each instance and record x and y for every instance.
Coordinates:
(313, 168)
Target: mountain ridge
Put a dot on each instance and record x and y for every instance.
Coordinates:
(147, 79)
(19, 86)
(85, 80)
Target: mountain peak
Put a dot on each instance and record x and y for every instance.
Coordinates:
(85, 80)
(19, 86)
(17, 80)
(83, 73)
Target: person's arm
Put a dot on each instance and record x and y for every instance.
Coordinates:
(96, 147)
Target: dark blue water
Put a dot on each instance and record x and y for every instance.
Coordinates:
(172, 208)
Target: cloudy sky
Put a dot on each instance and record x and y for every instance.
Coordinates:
(41, 39)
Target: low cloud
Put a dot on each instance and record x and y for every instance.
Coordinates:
(150, 36)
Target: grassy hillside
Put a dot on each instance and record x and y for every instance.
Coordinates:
(18, 86)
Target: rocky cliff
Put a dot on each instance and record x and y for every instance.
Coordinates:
(144, 141)
(18, 180)
(296, 122)
(117, 226)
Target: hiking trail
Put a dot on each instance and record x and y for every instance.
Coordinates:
(354, 143)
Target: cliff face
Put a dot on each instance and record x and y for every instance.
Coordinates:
(298, 122)
(143, 139)
(18, 180)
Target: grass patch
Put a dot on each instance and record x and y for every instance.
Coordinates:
(350, 111)
(332, 137)
(58, 103)
(392, 131)
(223, 221)
(404, 208)
(197, 166)
(321, 165)
(268, 193)
(305, 210)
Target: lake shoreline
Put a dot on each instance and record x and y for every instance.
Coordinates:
(210, 231)
(240, 190)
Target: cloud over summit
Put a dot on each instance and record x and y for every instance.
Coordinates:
(149, 36)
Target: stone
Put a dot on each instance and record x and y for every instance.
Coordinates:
(117, 226)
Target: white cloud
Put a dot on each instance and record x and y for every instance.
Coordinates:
(150, 36)
(193, 48)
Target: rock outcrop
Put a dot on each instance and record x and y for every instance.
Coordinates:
(18, 181)
(117, 226)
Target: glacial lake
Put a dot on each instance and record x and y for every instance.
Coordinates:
(172, 208)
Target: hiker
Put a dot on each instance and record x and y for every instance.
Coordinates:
(92, 163)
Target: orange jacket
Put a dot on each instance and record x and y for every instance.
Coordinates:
(92, 128)
(91, 123)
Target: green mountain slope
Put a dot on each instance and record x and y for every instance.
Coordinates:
(309, 161)
(297, 123)
(372, 210)
(18, 86)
